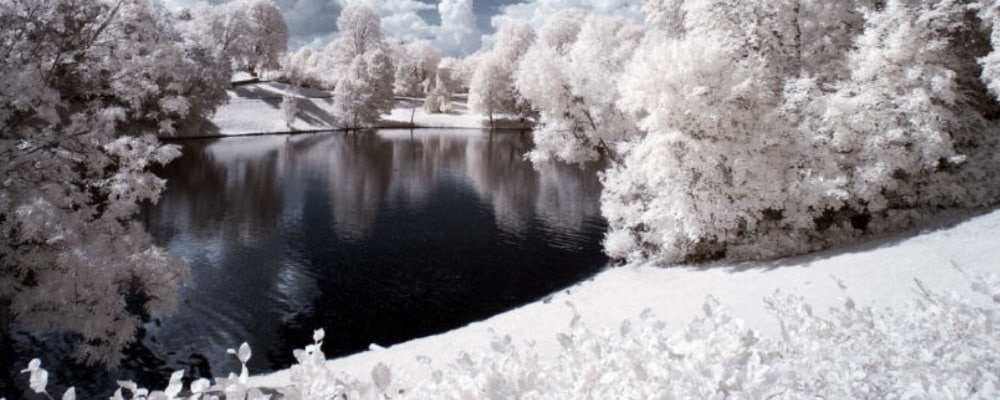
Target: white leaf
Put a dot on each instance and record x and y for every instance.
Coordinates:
(70, 394)
(158, 396)
(244, 353)
(33, 365)
(175, 385)
(200, 385)
(39, 379)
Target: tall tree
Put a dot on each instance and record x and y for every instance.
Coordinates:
(491, 86)
(571, 78)
(365, 91)
(360, 28)
(269, 38)
(416, 68)
(252, 34)
(362, 68)
(86, 87)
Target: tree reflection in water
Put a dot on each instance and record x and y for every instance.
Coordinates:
(379, 238)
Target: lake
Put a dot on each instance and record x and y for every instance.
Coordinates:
(376, 237)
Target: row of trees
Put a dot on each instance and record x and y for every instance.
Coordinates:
(366, 70)
(761, 129)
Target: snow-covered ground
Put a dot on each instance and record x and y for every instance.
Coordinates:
(255, 108)
(881, 274)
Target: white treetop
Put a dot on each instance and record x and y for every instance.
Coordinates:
(416, 67)
(360, 29)
(252, 34)
(491, 86)
(365, 91)
(570, 77)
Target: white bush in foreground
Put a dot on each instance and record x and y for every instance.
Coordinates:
(942, 346)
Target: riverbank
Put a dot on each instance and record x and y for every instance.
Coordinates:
(881, 274)
(254, 108)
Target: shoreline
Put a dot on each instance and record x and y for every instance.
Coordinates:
(881, 274)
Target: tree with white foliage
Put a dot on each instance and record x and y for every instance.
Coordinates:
(252, 34)
(570, 76)
(438, 100)
(560, 29)
(360, 32)
(86, 88)
(416, 68)
(989, 13)
(491, 86)
(363, 69)
(447, 75)
(365, 91)
(490, 90)
(269, 37)
(751, 149)
(302, 67)
(710, 178)
(912, 60)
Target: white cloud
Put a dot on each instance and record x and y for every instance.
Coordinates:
(400, 18)
(314, 22)
(310, 19)
(536, 11)
(458, 34)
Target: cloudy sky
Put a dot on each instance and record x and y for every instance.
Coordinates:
(458, 27)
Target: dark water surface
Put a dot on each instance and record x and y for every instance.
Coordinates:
(377, 238)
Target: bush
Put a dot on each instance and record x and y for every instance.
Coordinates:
(941, 346)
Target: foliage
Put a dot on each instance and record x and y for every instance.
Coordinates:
(416, 67)
(250, 34)
(491, 85)
(939, 346)
(943, 346)
(365, 91)
(360, 68)
(751, 130)
(570, 75)
(85, 88)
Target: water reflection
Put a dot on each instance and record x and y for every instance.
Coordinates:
(378, 238)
